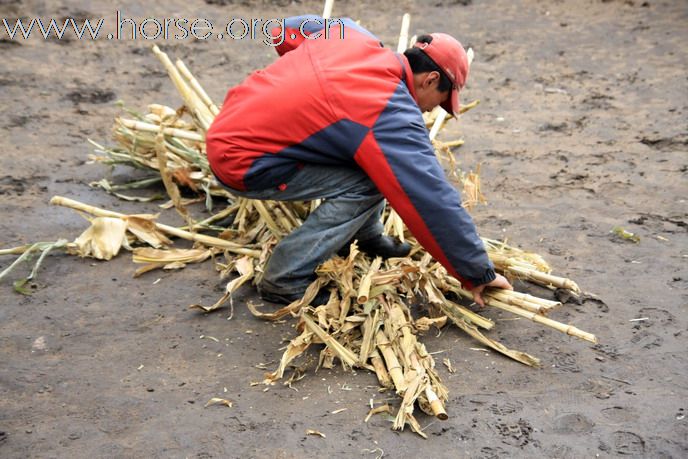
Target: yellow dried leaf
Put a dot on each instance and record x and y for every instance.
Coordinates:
(447, 363)
(103, 239)
(245, 267)
(150, 255)
(143, 227)
(174, 265)
(148, 267)
(472, 194)
(315, 432)
(423, 324)
(162, 111)
(380, 409)
(185, 202)
(218, 401)
(296, 347)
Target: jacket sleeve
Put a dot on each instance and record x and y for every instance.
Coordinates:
(398, 156)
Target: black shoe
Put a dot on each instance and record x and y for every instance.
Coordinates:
(321, 298)
(385, 247)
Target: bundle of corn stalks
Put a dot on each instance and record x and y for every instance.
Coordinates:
(367, 322)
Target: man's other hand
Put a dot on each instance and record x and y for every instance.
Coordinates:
(499, 282)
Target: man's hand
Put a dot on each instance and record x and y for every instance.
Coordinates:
(499, 282)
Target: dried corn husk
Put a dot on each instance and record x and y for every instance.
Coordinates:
(244, 267)
(103, 239)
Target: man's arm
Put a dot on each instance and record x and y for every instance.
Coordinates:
(399, 158)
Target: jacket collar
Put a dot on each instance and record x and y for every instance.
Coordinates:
(407, 75)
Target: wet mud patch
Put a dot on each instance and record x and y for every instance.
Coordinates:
(598, 302)
(562, 452)
(566, 177)
(663, 448)
(19, 121)
(447, 431)
(654, 316)
(561, 127)
(78, 15)
(238, 425)
(516, 434)
(619, 414)
(565, 361)
(600, 389)
(90, 95)
(613, 187)
(667, 224)
(565, 296)
(628, 443)
(6, 43)
(493, 452)
(674, 143)
(452, 2)
(573, 424)
(598, 101)
(647, 340)
(607, 350)
(12, 186)
(519, 381)
(502, 409)
(64, 41)
(113, 419)
(10, 8)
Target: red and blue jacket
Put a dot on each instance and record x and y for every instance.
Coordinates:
(346, 102)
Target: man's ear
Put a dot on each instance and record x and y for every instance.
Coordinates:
(433, 78)
(427, 80)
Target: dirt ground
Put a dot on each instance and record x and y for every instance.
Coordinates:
(582, 126)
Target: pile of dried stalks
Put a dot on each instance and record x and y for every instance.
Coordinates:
(367, 322)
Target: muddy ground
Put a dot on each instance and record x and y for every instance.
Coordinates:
(582, 126)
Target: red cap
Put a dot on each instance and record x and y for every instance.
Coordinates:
(449, 55)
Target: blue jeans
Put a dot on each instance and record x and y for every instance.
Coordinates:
(351, 209)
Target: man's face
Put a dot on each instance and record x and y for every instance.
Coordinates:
(431, 99)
